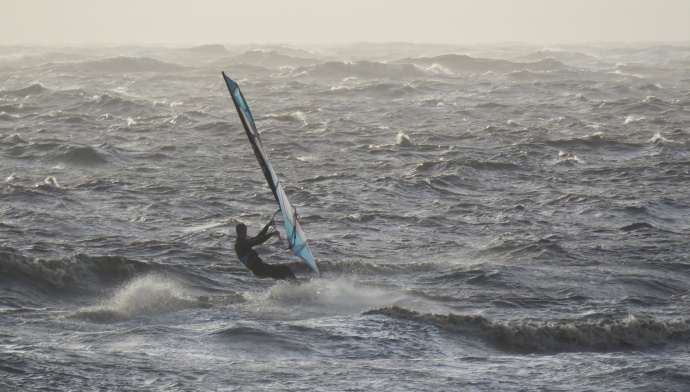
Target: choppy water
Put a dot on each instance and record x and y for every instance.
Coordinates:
(485, 218)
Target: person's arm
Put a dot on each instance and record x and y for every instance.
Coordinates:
(265, 229)
(259, 239)
(262, 236)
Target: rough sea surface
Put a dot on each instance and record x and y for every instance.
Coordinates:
(485, 218)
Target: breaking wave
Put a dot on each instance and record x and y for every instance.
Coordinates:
(402, 140)
(12, 140)
(149, 295)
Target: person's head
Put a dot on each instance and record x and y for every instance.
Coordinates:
(241, 230)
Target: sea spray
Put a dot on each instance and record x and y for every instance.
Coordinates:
(150, 295)
(331, 295)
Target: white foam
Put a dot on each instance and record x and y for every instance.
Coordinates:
(632, 119)
(564, 156)
(50, 181)
(438, 69)
(658, 138)
(402, 139)
(295, 116)
(308, 158)
(201, 228)
(149, 295)
(340, 295)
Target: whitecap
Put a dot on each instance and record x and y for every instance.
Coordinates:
(402, 140)
(632, 118)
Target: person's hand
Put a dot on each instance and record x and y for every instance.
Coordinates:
(276, 233)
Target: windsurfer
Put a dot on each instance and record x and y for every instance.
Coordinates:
(250, 258)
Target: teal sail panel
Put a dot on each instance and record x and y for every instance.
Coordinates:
(295, 235)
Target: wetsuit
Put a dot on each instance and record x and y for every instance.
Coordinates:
(250, 258)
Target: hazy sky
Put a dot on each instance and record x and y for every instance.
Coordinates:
(335, 21)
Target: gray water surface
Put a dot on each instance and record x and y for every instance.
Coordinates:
(485, 218)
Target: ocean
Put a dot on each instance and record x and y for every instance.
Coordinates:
(492, 217)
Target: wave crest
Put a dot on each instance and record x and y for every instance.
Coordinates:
(464, 63)
(34, 89)
(272, 59)
(208, 50)
(605, 334)
(81, 270)
(363, 69)
(81, 155)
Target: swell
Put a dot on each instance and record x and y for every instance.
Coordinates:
(563, 56)
(208, 50)
(444, 166)
(78, 271)
(81, 155)
(272, 59)
(528, 336)
(596, 140)
(128, 64)
(34, 89)
(362, 69)
(463, 63)
(106, 104)
(383, 90)
(70, 154)
(363, 267)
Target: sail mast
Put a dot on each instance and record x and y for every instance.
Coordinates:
(293, 231)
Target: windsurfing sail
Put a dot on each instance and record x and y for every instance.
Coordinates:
(295, 235)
